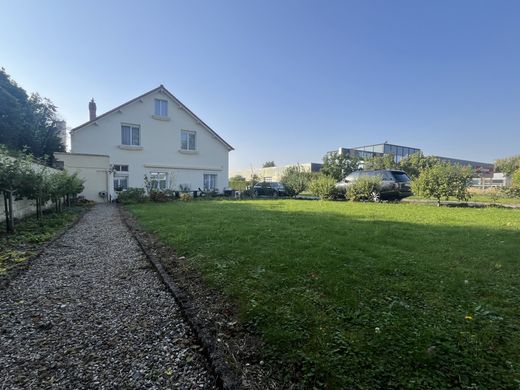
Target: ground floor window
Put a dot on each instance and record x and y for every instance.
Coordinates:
(158, 180)
(120, 183)
(210, 181)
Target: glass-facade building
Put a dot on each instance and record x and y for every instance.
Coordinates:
(368, 151)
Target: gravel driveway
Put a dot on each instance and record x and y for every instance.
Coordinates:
(91, 313)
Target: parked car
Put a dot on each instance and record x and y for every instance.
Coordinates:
(395, 184)
(269, 188)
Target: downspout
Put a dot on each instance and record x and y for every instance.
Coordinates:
(109, 195)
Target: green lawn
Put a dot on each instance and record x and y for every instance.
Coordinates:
(363, 295)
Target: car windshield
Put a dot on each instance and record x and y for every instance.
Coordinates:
(400, 176)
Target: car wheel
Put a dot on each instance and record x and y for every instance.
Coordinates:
(376, 196)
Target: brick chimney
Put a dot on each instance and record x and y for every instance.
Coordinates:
(92, 109)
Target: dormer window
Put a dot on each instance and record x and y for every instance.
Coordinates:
(161, 108)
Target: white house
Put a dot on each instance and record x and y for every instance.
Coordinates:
(153, 136)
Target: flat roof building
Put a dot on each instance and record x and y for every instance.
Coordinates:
(399, 152)
(370, 151)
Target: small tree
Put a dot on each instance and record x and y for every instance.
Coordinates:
(58, 189)
(15, 174)
(323, 186)
(442, 181)
(268, 164)
(387, 161)
(414, 164)
(238, 183)
(364, 188)
(339, 165)
(37, 187)
(515, 179)
(508, 165)
(295, 179)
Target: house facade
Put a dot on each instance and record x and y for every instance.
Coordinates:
(152, 141)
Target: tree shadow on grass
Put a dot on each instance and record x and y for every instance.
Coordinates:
(355, 300)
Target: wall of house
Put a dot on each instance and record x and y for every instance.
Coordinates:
(160, 146)
(93, 169)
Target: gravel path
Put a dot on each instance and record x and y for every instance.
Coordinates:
(91, 313)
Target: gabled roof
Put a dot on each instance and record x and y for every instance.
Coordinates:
(160, 88)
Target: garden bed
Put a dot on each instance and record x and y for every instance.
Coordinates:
(31, 236)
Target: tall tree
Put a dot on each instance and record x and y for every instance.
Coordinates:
(268, 164)
(339, 165)
(386, 161)
(415, 163)
(27, 122)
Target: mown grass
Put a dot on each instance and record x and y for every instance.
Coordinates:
(363, 295)
(30, 234)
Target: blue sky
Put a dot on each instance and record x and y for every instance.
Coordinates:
(286, 80)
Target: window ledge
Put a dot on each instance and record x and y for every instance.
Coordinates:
(161, 118)
(184, 151)
(130, 147)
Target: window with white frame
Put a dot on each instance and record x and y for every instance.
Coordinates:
(120, 168)
(210, 181)
(161, 107)
(131, 135)
(188, 140)
(158, 180)
(120, 183)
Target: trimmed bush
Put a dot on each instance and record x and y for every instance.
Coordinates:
(295, 179)
(132, 195)
(511, 192)
(364, 188)
(159, 196)
(323, 186)
(185, 197)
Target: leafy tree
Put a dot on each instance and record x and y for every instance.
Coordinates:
(27, 122)
(323, 186)
(414, 164)
(364, 188)
(443, 180)
(268, 164)
(386, 161)
(339, 165)
(515, 179)
(508, 165)
(36, 187)
(238, 183)
(15, 175)
(295, 179)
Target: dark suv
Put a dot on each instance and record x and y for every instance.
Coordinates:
(395, 184)
(269, 188)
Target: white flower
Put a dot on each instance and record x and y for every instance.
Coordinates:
(377, 329)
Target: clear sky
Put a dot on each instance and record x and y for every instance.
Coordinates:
(286, 80)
